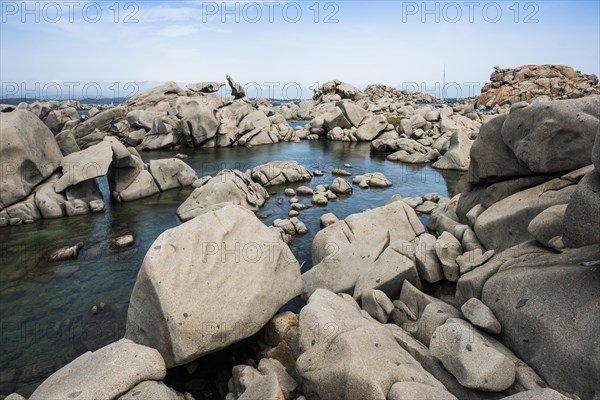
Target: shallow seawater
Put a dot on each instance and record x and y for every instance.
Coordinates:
(45, 319)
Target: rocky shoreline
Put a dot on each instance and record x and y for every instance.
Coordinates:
(495, 298)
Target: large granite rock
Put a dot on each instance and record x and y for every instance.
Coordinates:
(106, 373)
(471, 358)
(171, 173)
(371, 248)
(492, 160)
(198, 121)
(346, 356)
(84, 165)
(227, 187)
(582, 216)
(93, 130)
(29, 155)
(548, 306)
(209, 283)
(159, 98)
(553, 136)
(458, 155)
(505, 223)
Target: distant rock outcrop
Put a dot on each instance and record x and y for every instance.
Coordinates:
(530, 82)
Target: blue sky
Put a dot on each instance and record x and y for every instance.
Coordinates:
(399, 43)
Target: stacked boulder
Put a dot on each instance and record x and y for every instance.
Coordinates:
(536, 82)
(41, 183)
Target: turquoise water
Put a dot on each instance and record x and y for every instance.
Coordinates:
(45, 319)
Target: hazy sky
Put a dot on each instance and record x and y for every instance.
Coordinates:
(399, 43)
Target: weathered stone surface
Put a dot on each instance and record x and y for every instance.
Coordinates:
(198, 121)
(370, 128)
(340, 186)
(377, 304)
(202, 305)
(158, 98)
(553, 136)
(468, 356)
(29, 155)
(458, 155)
(582, 215)
(171, 173)
(280, 172)
(544, 323)
(447, 249)
(328, 219)
(492, 159)
(353, 113)
(84, 165)
(481, 316)
(151, 390)
(505, 224)
(227, 187)
(533, 82)
(548, 224)
(345, 356)
(428, 264)
(538, 394)
(417, 391)
(344, 251)
(103, 374)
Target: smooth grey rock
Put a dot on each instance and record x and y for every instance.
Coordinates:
(538, 394)
(345, 356)
(447, 249)
(123, 241)
(171, 173)
(103, 374)
(201, 305)
(417, 391)
(505, 224)
(228, 186)
(352, 112)
(582, 216)
(548, 224)
(481, 316)
(370, 127)
(29, 155)
(473, 259)
(152, 390)
(458, 155)
(544, 322)
(344, 251)
(341, 186)
(280, 172)
(377, 304)
(198, 121)
(553, 136)
(84, 165)
(328, 219)
(66, 142)
(468, 356)
(428, 264)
